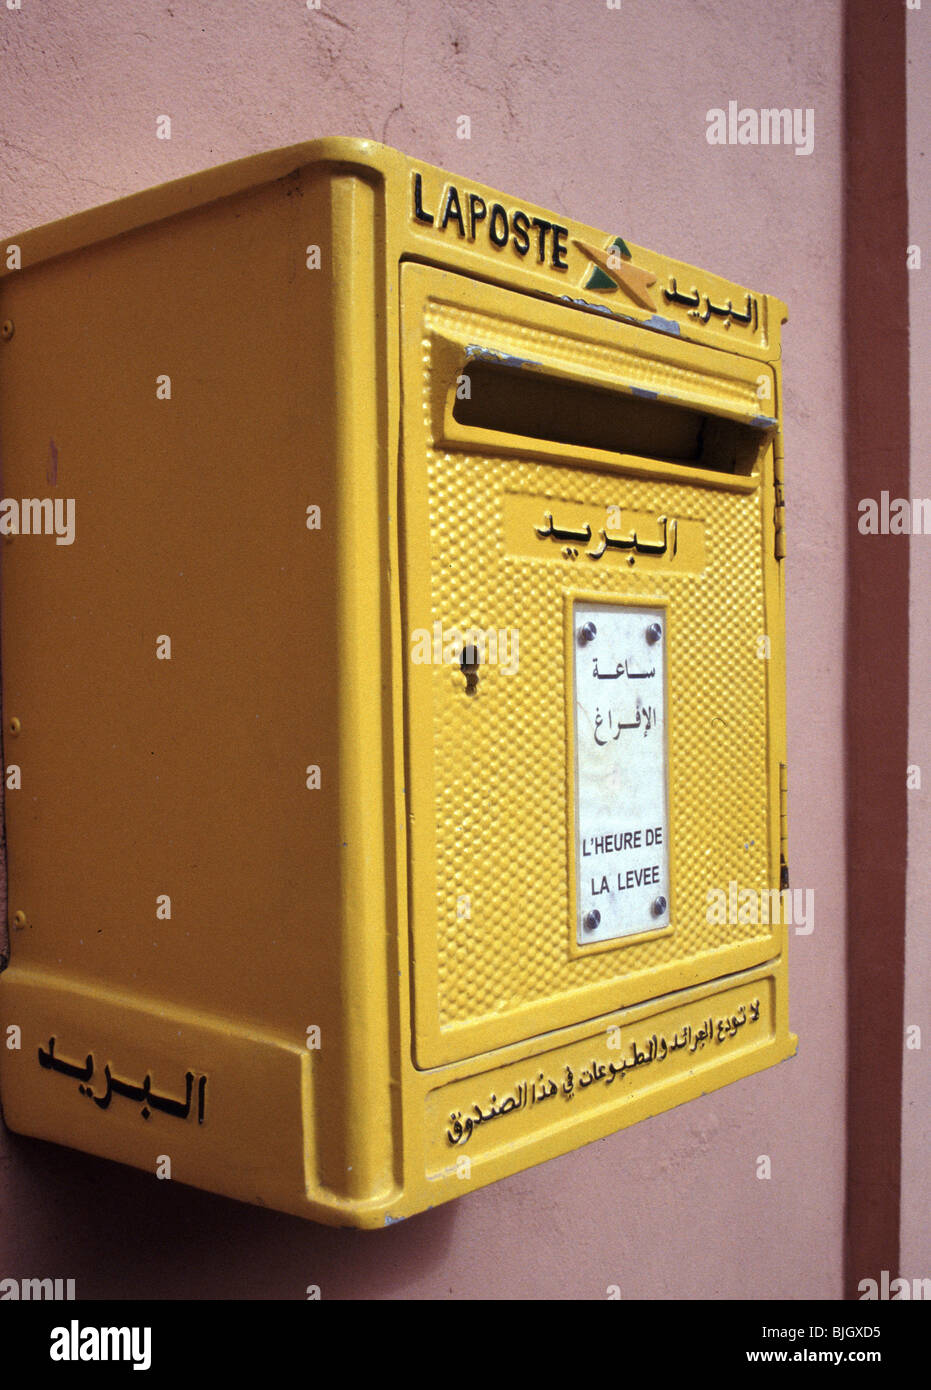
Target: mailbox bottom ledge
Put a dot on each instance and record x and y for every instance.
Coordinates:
(505, 1160)
(257, 1140)
(571, 1088)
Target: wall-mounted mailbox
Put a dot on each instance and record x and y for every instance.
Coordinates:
(393, 667)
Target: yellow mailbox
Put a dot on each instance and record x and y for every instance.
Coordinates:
(393, 671)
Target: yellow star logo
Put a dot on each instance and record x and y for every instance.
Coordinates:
(621, 273)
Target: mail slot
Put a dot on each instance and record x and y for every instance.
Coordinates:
(393, 683)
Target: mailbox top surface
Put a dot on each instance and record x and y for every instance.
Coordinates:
(436, 216)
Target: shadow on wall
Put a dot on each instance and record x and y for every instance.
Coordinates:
(121, 1233)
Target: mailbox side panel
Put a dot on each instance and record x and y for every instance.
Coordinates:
(199, 809)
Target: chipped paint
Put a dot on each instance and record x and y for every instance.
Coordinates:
(587, 304)
(443, 1173)
(642, 391)
(764, 422)
(493, 355)
(663, 325)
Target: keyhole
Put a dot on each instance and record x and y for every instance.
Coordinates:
(468, 663)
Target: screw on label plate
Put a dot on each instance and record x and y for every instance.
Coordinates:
(592, 919)
(659, 906)
(654, 633)
(15, 725)
(19, 919)
(587, 633)
(6, 330)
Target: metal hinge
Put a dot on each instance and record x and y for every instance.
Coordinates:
(783, 826)
(779, 512)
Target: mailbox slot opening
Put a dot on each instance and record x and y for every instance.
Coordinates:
(537, 405)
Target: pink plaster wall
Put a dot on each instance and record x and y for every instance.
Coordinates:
(600, 114)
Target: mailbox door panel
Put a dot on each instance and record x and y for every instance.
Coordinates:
(585, 811)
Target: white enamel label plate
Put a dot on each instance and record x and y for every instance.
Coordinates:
(621, 800)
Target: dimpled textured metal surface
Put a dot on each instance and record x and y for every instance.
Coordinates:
(502, 792)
